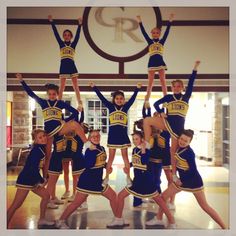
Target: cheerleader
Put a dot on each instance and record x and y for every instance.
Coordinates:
(30, 179)
(189, 178)
(156, 62)
(90, 181)
(118, 124)
(173, 121)
(52, 112)
(143, 185)
(67, 51)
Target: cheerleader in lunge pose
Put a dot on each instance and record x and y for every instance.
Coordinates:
(67, 50)
(118, 123)
(156, 62)
(30, 179)
(189, 179)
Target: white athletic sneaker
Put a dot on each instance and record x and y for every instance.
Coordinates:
(172, 226)
(128, 182)
(116, 222)
(105, 181)
(61, 224)
(65, 195)
(52, 205)
(57, 201)
(84, 205)
(71, 198)
(171, 206)
(154, 221)
(45, 222)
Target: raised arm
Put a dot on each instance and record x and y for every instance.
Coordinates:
(29, 90)
(133, 97)
(145, 35)
(77, 35)
(192, 78)
(100, 96)
(54, 28)
(163, 39)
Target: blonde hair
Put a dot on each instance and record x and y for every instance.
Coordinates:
(178, 81)
(156, 28)
(35, 132)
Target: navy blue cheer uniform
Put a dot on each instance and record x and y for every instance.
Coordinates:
(164, 145)
(67, 52)
(90, 181)
(156, 49)
(177, 108)
(143, 185)
(187, 169)
(74, 150)
(55, 166)
(30, 177)
(118, 121)
(52, 111)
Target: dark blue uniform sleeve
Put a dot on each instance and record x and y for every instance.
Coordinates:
(131, 100)
(106, 103)
(158, 103)
(76, 39)
(29, 91)
(163, 39)
(145, 157)
(71, 109)
(189, 89)
(36, 154)
(148, 114)
(145, 35)
(191, 162)
(58, 38)
(81, 120)
(90, 158)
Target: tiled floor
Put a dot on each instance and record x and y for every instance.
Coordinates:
(188, 214)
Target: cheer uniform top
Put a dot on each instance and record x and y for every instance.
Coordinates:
(55, 166)
(187, 169)
(67, 52)
(156, 49)
(118, 121)
(90, 181)
(177, 108)
(52, 111)
(30, 177)
(143, 185)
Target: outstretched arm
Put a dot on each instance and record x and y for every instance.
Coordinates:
(29, 90)
(133, 97)
(158, 103)
(54, 28)
(145, 35)
(192, 78)
(163, 39)
(77, 35)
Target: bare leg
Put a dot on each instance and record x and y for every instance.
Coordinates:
(51, 186)
(173, 149)
(112, 153)
(152, 121)
(170, 180)
(75, 181)
(65, 165)
(43, 193)
(201, 199)
(48, 156)
(110, 194)
(164, 208)
(76, 88)
(20, 196)
(79, 199)
(73, 126)
(151, 75)
(121, 202)
(62, 88)
(162, 77)
(124, 153)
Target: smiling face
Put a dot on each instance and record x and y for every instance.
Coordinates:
(137, 140)
(52, 94)
(95, 137)
(67, 36)
(177, 87)
(156, 33)
(119, 100)
(40, 138)
(184, 140)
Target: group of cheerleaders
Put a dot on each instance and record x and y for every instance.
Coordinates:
(151, 138)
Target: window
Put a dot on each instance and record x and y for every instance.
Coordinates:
(97, 115)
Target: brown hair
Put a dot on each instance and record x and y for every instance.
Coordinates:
(91, 130)
(35, 132)
(117, 93)
(52, 87)
(188, 132)
(67, 30)
(177, 81)
(139, 133)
